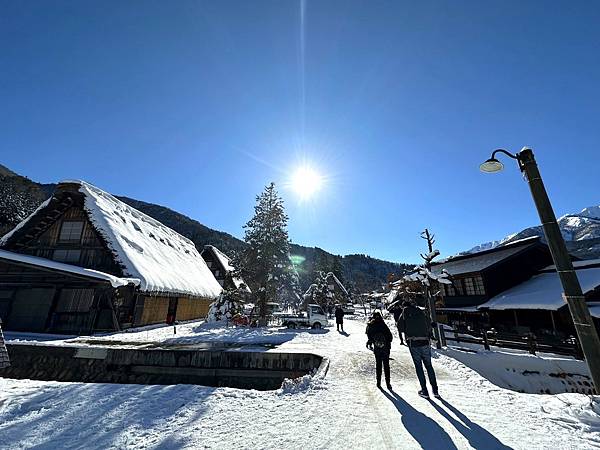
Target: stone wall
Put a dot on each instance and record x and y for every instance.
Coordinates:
(241, 369)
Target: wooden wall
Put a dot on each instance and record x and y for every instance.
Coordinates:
(192, 308)
(94, 253)
(151, 310)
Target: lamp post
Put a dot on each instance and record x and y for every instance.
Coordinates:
(572, 293)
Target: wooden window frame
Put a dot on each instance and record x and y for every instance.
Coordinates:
(70, 238)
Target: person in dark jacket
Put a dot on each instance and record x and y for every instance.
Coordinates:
(416, 326)
(397, 313)
(380, 341)
(339, 318)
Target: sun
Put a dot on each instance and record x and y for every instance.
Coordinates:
(306, 182)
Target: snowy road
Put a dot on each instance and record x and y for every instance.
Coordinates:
(343, 411)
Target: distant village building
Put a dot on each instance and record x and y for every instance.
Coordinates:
(220, 266)
(85, 261)
(337, 291)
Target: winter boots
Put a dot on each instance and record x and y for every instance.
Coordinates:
(423, 393)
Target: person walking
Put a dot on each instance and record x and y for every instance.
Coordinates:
(415, 325)
(397, 310)
(380, 342)
(339, 317)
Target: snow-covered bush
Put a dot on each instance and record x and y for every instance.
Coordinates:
(229, 303)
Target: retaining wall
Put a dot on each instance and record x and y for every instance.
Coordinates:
(240, 369)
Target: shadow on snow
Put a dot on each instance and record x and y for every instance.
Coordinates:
(429, 434)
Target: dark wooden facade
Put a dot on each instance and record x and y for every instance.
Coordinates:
(39, 299)
(61, 231)
(474, 283)
(221, 273)
(480, 276)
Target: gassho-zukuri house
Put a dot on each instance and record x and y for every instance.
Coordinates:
(337, 291)
(220, 266)
(85, 261)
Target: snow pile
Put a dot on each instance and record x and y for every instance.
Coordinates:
(523, 372)
(49, 264)
(162, 259)
(296, 385)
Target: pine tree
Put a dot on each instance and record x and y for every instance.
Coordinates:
(227, 305)
(265, 262)
(319, 292)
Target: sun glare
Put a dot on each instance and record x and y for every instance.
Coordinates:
(306, 182)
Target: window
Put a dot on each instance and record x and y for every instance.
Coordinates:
(449, 289)
(75, 300)
(458, 287)
(209, 263)
(217, 273)
(469, 286)
(479, 289)
(331, 287)
(70, 232)
(71, 256)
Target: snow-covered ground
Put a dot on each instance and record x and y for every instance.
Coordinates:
(343, 410)
(521, 371)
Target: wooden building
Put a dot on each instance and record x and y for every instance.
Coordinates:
(537, 305)
(223, 271)
(85, 261)
(478, 277)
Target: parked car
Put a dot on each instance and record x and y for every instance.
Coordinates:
(314, 317)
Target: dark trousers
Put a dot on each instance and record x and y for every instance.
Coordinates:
(340, 324)
(421, 356)
(400, 335)
(382, 358)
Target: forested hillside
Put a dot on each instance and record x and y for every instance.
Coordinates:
(20, 196)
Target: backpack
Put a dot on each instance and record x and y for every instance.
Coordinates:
(379, 340)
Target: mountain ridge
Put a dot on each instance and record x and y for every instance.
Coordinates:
(20, 196)
(581, 232)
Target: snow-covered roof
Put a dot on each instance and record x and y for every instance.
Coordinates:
(225, 262)
(162, 259)
(76, 270)
(594, 309)
(391, 296)
(576, 264)
(543, 291)
(477, 262)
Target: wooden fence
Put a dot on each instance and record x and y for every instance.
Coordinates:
(529, 342)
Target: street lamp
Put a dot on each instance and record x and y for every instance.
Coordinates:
(572, 293)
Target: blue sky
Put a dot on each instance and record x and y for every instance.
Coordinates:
(197, 105)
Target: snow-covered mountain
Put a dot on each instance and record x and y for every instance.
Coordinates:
(581, 231)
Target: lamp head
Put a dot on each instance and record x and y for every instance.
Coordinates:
(492, 165)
